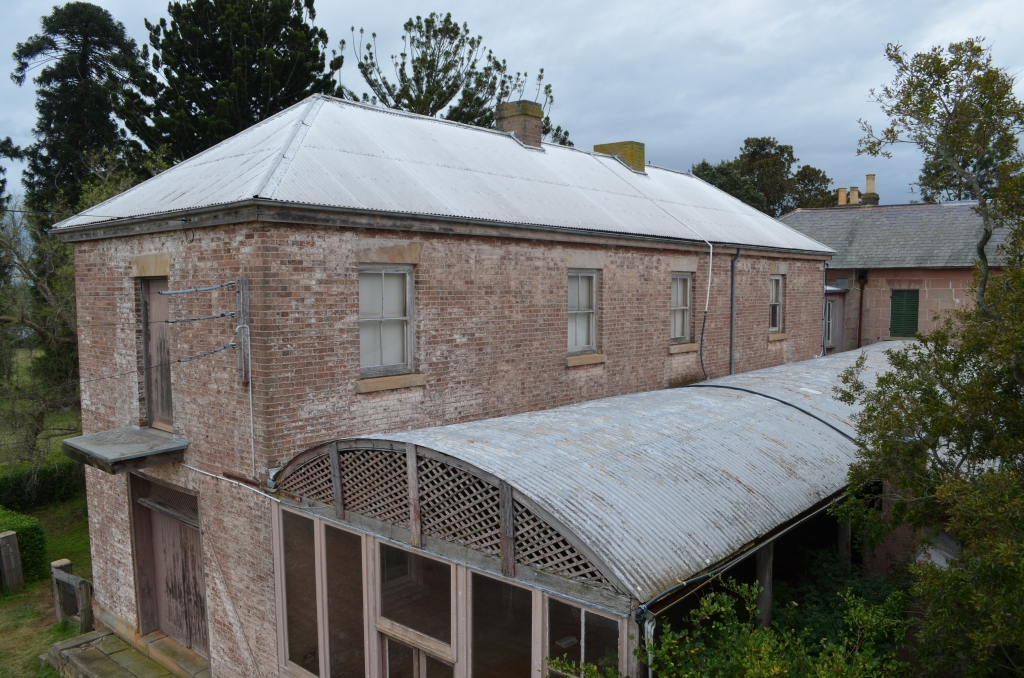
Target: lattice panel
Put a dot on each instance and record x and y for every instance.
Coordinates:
(542, 546)
(459, 507)
(376, 484)
(312, 480)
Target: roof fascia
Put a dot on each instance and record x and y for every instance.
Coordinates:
(275, 211)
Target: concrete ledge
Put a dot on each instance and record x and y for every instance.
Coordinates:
(776, 336)
(390, 383)
(585, 359)
(691, 347)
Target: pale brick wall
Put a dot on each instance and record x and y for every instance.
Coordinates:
(491, 341)
(941, 291)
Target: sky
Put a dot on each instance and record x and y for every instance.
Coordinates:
(690, 80)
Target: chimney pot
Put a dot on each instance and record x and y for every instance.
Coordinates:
(854, 195)
(522, 118)
(841, 195)
(629, 152)
(870, 196)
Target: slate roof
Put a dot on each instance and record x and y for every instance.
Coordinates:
(942, 235)
(328, 153)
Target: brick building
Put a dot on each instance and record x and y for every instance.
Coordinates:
(259, 324)
(898, 268)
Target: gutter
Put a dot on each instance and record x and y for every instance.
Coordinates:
(171, 221)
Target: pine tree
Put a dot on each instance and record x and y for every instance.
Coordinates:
(225, 65)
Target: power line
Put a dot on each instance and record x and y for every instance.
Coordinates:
(135, 372)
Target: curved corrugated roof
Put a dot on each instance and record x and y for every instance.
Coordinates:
(332, 153)
(662, 484)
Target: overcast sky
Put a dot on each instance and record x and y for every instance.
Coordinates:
(690, 80)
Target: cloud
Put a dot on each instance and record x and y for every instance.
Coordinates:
(691, 80)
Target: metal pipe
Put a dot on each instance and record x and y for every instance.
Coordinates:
(732, 314)
(861, 282)
(824, 311)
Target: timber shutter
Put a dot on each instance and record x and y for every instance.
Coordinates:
(903, 317)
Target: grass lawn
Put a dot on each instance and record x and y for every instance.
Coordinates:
(28, 624)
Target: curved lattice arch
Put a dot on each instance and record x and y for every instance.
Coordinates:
(446, 499)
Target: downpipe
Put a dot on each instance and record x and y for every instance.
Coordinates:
(732, 314)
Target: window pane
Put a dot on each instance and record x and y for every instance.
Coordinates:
(370, 295)
(344, 553)
(574, 292)
(394, 295)
(677, 324)
(774, 293)
(601, 642)
(564, 627)
(572, 330)
(583, 338)
(586, 292)
(401, 660)
(502, 629)
(685, 293)
(438, 669)
(369, 343)
(392, 342)
(416, 592)
(773, 319)
(300, 591)
(677, 287)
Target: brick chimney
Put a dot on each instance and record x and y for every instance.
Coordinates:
(629, 152)
(870, 197)
(522, 118)
(854, 195)
(841, 195)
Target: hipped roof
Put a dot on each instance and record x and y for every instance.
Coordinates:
(329, 153)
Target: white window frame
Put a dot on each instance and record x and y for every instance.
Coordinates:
(686, 310)
(594, 281)
(776, 303)
(409, 318)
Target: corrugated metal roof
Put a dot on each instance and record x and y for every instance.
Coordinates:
(662, 484)
(332, 153)
(921, 235)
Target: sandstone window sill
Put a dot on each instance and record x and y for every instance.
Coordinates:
(585, 359)
(691, 347)
(777, 336)
(390, 383)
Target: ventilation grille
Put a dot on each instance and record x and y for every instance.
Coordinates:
(540, 545)
(459, 507)
(312, 480)
(376, 484)
(455, 506)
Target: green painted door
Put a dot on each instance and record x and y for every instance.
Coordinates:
(903, 316)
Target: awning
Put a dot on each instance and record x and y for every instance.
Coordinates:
(121, 450)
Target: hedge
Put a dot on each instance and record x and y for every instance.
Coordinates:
(25, 488)
(31, 543)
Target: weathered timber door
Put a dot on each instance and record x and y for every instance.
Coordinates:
(180, 606)
(157, 360)
(169, 563)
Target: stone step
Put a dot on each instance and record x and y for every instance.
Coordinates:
(101, 654)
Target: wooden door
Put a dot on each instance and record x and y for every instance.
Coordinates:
(157, 358)
(179, 585)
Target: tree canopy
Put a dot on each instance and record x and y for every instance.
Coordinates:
(83, 59)
(942, 433)
(220, 66)
(762, 176)
(444, 70)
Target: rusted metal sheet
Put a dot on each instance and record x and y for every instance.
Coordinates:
(332, 153)
(662, 484)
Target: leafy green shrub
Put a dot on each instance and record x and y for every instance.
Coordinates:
(31, 543)
(25, 488)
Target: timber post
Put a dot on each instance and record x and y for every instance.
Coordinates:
(85, 606)
(10, 562)
(62, 606)
(845, 540)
